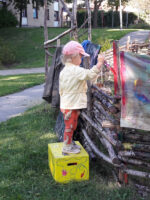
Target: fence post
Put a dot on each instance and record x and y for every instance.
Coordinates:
(86, 63)
(116, 59)
(45, 37)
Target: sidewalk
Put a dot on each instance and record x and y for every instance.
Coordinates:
(138, 36)
(15, 104)
(22, 71)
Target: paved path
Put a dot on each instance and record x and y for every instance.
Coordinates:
(22, 71)
(139, 36)
(15, 104)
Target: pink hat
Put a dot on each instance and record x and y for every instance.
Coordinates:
(73, 47)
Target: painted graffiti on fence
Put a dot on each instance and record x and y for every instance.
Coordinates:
(135, 80)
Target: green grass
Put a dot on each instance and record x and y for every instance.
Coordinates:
(26, 44)
(15, 83)
(24, 170)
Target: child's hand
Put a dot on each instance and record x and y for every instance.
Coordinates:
(101, 58)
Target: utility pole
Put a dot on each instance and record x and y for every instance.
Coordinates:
(120, 15)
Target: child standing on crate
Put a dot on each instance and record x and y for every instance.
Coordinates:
(73, 88)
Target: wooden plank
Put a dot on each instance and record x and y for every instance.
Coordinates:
(59, 36)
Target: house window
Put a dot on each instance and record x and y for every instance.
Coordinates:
(3, 3)
(56, 16)
(35, 13)
(47, 14)
(24, 13)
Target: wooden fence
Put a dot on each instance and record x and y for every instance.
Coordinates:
(126, 149)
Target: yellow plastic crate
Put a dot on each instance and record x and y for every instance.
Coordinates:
(69, 167)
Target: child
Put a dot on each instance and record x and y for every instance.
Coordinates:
(73, 88)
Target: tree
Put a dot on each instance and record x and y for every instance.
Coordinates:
(97, 4)
(143, 7)
(20, 5)
(115, 3)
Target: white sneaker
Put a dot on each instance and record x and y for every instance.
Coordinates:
(75, 145)
(69, 148)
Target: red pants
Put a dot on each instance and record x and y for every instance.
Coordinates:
(70, 120)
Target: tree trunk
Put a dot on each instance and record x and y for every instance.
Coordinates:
(89, 19)
(102, 18)
(95, 14)
(120, 15)
(61, 18)
(20, 21)
(126, 19)
(112, 18)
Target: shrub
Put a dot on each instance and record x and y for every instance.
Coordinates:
(81, 17)
(140, 26)
(7, 56)
(7, 19)
(105, 43)
(131, 17)
(107, 18)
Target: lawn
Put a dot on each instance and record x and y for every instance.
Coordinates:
(24, 46)
(24, 170)
(15, 83)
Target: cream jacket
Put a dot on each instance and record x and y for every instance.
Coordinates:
(73, 86)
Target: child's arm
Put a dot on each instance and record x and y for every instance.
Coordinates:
(89, 74)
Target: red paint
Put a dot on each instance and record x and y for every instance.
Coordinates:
(116, 88)
(64, 172)
(82, 174)
(123, 71)
(125, 178)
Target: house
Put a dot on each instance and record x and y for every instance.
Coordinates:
(34, 17)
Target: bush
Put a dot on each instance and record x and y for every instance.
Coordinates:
(7, 19)
(7, 56)
(140, 26)
(105, 43)
(81, 17)
(107, 18)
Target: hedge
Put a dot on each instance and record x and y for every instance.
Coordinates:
(107, 18)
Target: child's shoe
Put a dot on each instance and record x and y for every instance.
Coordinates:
(69, 148)
(75, 145)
